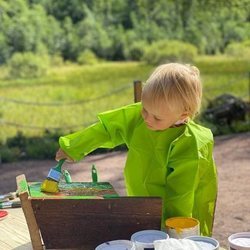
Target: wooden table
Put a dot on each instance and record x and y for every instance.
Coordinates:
(14, 233)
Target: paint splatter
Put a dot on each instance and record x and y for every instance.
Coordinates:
(74, 190)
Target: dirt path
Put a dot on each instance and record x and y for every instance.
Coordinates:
(232, 156)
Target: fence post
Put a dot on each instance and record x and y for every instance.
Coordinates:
(249, 87)
(137, 90)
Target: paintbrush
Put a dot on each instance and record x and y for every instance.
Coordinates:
(50, 184)
(10, 204)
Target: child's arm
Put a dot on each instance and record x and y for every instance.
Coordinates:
(114, 128)
(81, 143)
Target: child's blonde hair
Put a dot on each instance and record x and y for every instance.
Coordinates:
(177, 85)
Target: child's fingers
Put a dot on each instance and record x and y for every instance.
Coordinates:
(60, 154)
(68, 159)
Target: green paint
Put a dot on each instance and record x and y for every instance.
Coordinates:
(75, 190)
(23, 186)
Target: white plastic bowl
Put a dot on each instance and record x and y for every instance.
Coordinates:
(239, 241)
(116, 245)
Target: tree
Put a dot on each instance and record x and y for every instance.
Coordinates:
(110, 27)
(25, 29)
(93, 35)
(70, 41)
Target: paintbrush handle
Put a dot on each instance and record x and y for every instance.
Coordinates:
(67, 176)
(59, 165)
(94, 174)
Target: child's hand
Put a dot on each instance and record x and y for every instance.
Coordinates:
(60, 154)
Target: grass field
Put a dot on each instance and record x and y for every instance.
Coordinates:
(69, 97)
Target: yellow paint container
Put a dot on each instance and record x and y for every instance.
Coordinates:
(182, 227)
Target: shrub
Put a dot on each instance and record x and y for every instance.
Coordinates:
(136, 50)
(41, 148)
(21, 147)
(9, 154)
(225, 114)
(27, 65)
(56, 60)
(87, 57)
(240, 50)
(169, 51)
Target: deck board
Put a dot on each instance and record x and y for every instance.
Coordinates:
(14, 233)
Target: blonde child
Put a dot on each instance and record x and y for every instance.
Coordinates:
(169, 155)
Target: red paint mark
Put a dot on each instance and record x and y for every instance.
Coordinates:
(3, 214)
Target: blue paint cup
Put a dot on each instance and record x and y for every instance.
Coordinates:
(206, 243)
(144, 240)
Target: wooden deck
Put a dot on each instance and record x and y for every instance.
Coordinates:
(14, 233)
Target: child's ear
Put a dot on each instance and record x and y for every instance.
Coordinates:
(184, 115)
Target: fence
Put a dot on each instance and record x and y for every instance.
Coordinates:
(109, 97)
(137, 88)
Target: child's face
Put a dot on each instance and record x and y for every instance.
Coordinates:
(159, 119)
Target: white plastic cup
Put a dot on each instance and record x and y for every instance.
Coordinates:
(239, 241)
(145, 239)
(206, 243)
(182, 227)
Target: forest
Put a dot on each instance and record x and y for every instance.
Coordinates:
(118, 30)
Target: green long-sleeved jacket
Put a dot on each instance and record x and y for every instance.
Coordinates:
(176, 164)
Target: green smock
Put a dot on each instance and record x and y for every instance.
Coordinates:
(175, 164)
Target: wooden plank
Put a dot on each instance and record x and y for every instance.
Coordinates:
(14, 233)
(87, 223)
(28, 213)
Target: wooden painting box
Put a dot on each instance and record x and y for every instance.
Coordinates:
(84, 215)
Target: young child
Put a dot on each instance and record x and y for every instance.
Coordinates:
(169, 155)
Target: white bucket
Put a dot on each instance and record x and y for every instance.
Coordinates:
(206, 243)
(145, 239)
(239, 241)
(116, 245)
(182, 227)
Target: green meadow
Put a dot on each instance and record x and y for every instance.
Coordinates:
(69, 97)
